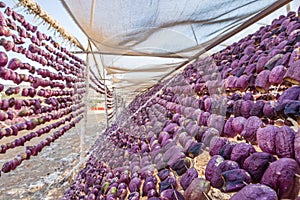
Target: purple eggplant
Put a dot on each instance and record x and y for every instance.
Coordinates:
(266, 137)
(281, 176)
(262, 83)
(257, 163)
(257, 108)
(255, 191)
(235, 180)
(212, 166)
(250, 128)
(284, 141)
(217, 180)
(277, 74)
(293, 73)
(188, 177)
(228, 130)
(171, 194)
(297, 146)
(168, 183)
(135, 184)
(216, 144)
(197, 190)
(3, 59)
(241, 151)
(238, 124)
(226, 150)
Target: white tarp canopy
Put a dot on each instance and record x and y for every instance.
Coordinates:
(178, 28)
(159, 27)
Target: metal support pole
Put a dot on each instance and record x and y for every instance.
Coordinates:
(86, 100)
(171, 55)
(101, 77)
(105, 98)
(116, 102)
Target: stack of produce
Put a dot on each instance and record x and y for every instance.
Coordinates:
(242, 105)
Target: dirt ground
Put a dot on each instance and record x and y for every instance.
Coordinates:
(34, 178)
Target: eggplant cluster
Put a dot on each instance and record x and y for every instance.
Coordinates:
(277, 140)
(34, 150)
(249, 91)
(46, 87)
(247, 166)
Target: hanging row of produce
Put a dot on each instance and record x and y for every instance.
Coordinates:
(42, 88)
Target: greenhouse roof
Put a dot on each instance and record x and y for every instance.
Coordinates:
(140, 42)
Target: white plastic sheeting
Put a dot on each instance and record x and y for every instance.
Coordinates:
(157, 28)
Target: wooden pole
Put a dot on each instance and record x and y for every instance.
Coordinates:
(171, 55)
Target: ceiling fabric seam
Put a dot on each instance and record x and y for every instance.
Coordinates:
(92, 13)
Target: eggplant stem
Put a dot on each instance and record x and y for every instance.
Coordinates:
(175, 194)
(194, 162)
(294, 122)
(206, 196)
(186, 167)
(245, 183)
